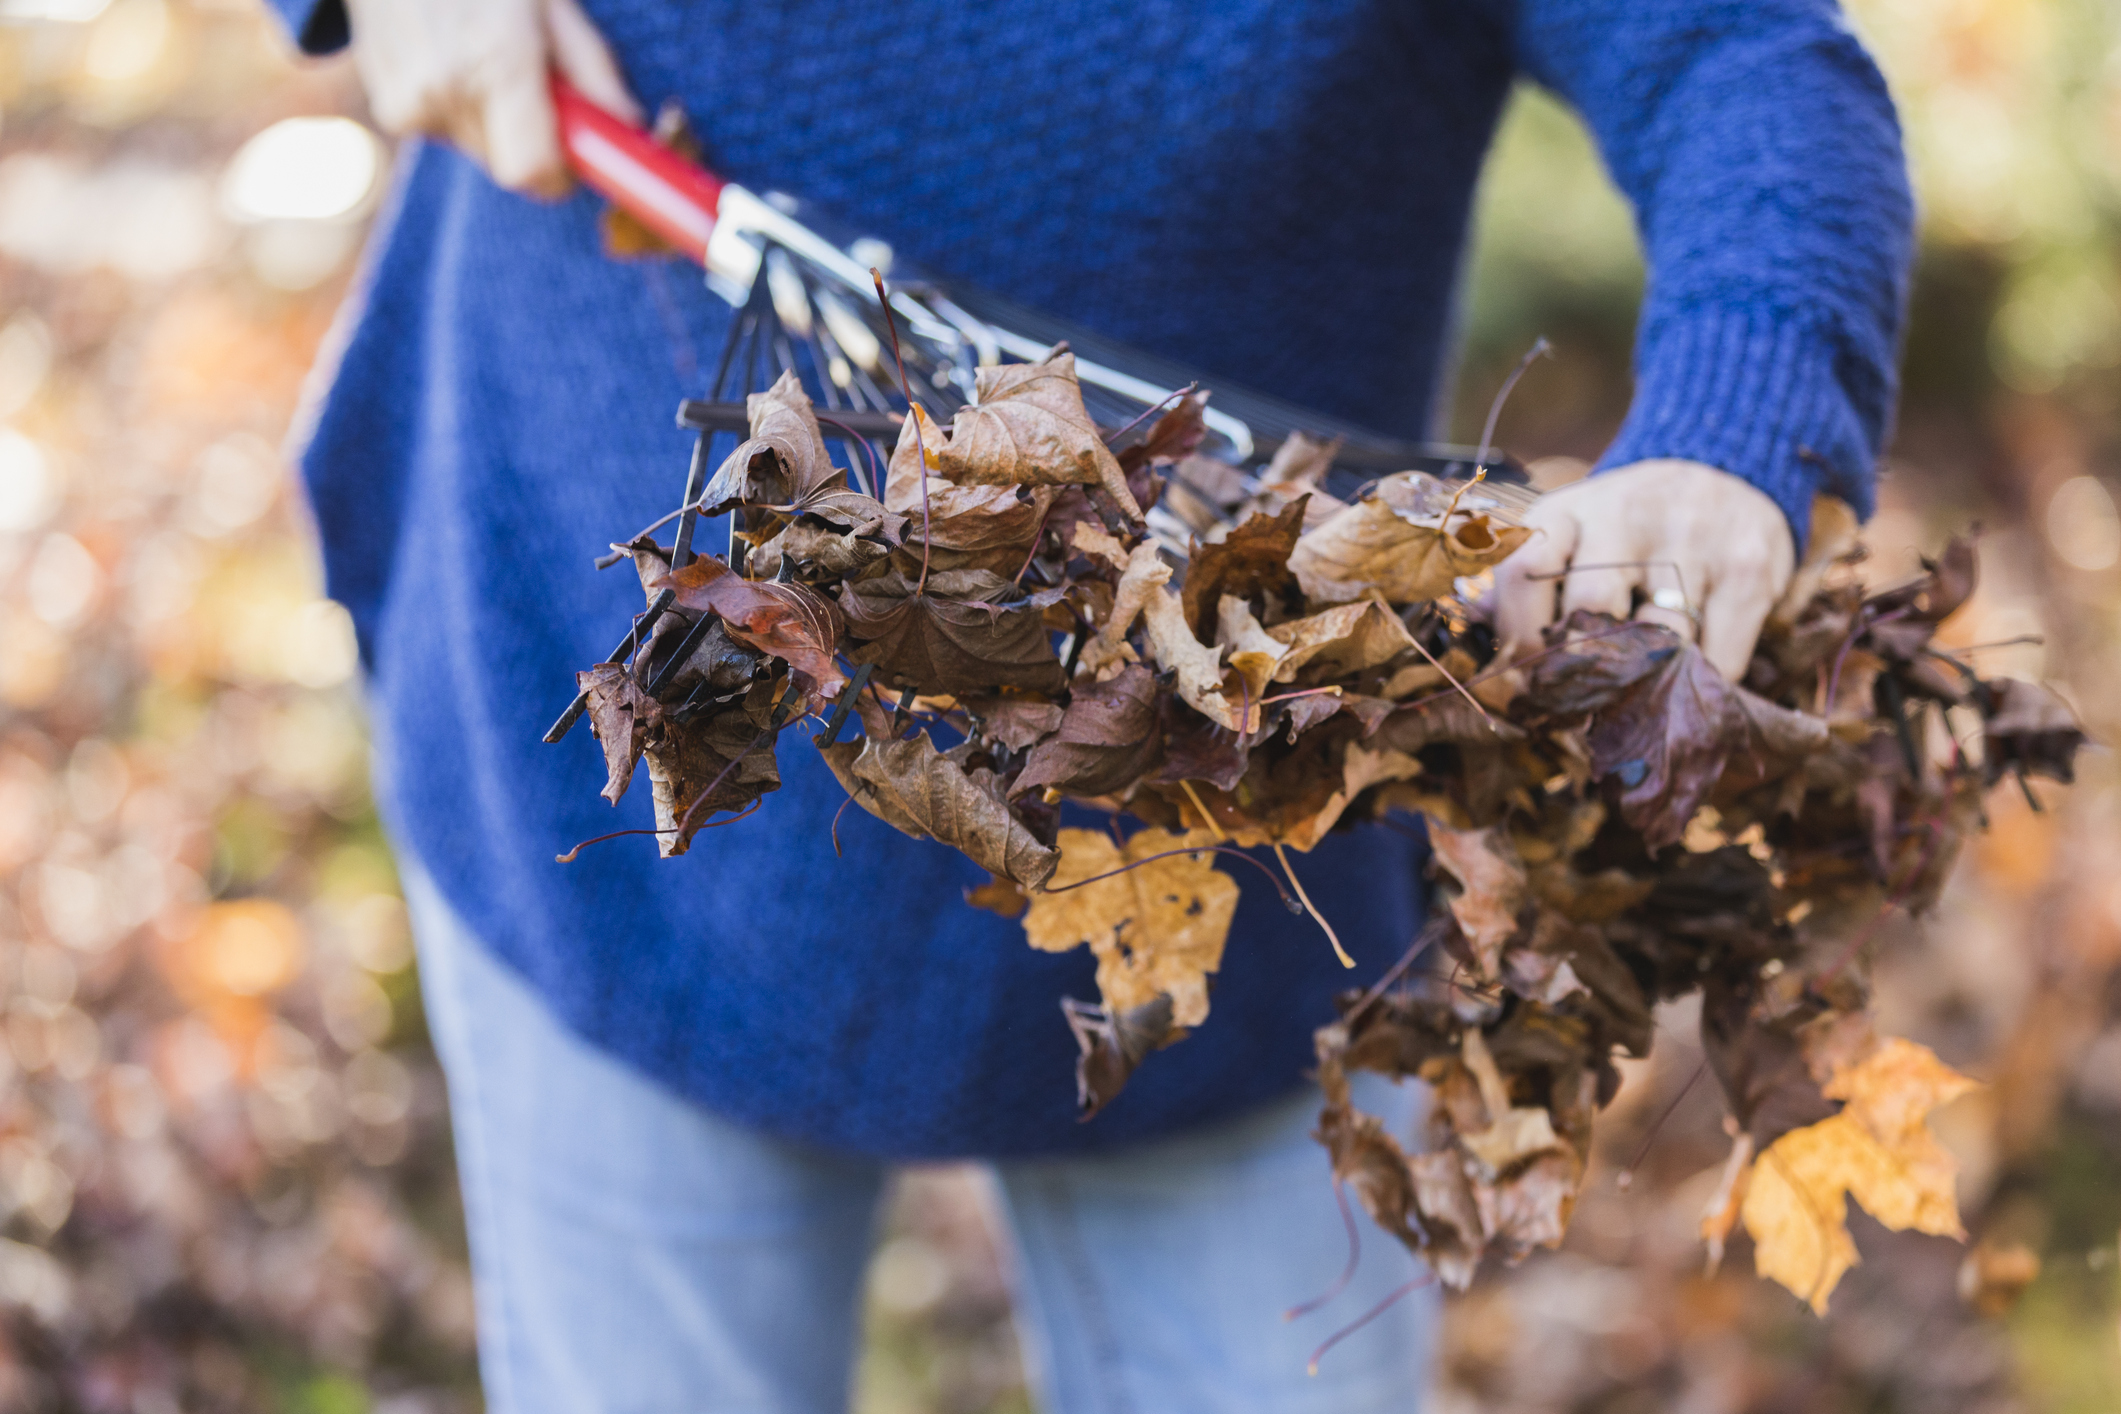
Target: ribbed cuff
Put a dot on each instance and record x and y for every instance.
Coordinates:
(1754, 392)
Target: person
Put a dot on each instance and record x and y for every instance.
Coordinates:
(679, 1086)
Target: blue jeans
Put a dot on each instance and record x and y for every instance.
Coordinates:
(632, 1252)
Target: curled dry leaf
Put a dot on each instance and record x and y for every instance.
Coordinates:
(1145, 573)
(1250, 649)
(967, 527)
(1664, 724)
(2028, 728)
(791, 622)
(1491, 888)
(1100, 545)
(784, 458)
(620, 714)
(927, 794)
(786, 466)
(1341, 641)
(1112, 1044)
(1878, 1150)
(1107, 739)
(733, 747)
(1027, 427)
(1172, 438)
(1157, 929)
(1514, 1133)
(1376, 1169)
(1199, 668)
(1250, 563)
(1373, 547)
(819, 549)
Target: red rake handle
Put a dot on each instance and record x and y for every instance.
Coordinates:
(652, 184)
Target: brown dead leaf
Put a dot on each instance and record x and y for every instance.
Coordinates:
(1026, 427)
(927, 794)
(1145, 575)
(790, 622)
(819, 548)
(785, 465)
(1173, 437)
(1514, 1133)
(1450, 1215)
(1492, 887)
(1158, 928)
(969, 632)
(1373, 548)
(1018, 723)
(1250, 649)
(1108, 739)
(1251, 563)
(984, 527)
(1759, 1058)
(1340, 641)
(620, 714)
(684, 761)
(1198, 667)
(1099, 545)
(1112, 1045)
(1664, 723)
(1373, 1166)
(2028, 728)
(1302, 461)
(1531, 1207)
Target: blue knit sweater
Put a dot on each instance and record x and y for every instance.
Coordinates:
(1273, 190)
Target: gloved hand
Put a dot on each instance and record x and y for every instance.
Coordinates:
(473, 72)
(1710, 554)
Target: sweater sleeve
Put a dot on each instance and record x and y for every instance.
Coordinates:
(316, 26)
(1761, 152)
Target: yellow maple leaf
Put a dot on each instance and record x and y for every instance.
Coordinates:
(1878, 1150)
(1157, 928)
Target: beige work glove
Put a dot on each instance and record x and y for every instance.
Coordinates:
(473, 73)
(1707, 554)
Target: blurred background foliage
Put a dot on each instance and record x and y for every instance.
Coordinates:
(225, 1178)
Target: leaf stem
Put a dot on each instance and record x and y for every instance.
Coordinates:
(1158, 406)
(1540, 349)
(1347, 1273)
(1626, 1176)
(1311, 1367)
(1201, 806)
(1435, 663)
(913, 411)
(871, 471)
(1287, 902)
(1316, 917)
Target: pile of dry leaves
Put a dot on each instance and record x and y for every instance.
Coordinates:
(1614, 824)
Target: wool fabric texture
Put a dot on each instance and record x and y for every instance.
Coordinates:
(1274, 191)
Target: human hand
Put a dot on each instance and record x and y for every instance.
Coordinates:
(1709, 553)
(474, 72)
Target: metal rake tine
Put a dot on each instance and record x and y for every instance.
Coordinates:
(856, 686)
(693, 636)
(647, 621)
